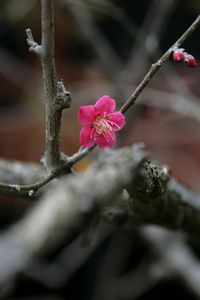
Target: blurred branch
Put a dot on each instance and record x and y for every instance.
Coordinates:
(101, 47)
(155, 199)
(138, 282)
(76, 204)
(115, 12)
(148, 35)
(130, 285)
(20, 173)
(112, 266)
(172, 102)
(174, 257)
(9, 66)
(56, 274)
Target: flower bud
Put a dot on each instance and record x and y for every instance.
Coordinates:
(190, 60)
(179, 55)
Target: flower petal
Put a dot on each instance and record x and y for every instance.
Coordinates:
(106, 141)
(85, 137)
(105, 104)
(116, 121)
(86, 114)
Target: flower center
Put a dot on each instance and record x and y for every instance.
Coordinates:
(101, 125)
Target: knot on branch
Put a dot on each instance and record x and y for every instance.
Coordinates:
(63, 97)
(151, 181)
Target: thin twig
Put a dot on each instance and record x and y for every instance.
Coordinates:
(78, 156)
(28, 188)
(154, 68)
(97, 41)
(31, 189)
(148, 36)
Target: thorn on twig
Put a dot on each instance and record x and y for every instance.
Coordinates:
(33, 46)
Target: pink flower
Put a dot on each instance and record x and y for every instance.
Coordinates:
(100, 123)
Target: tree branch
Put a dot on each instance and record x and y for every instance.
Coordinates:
(155, 198)
(22, 184)
(52, 147)
(29, 189)
(101, 47)
(56, 96)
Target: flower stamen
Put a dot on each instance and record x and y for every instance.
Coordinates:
(113, 124)
(101, 126)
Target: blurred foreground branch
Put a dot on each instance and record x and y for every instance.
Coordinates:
(17, 172)
(174, 257)
(70, 204)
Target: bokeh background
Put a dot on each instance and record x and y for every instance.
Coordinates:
(101, 47)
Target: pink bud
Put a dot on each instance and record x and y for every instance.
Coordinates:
(178, 55)
(190, 60)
